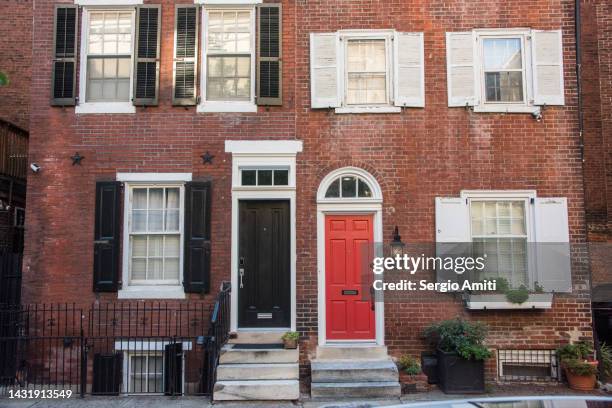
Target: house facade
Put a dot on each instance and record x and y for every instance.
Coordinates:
(185, 144)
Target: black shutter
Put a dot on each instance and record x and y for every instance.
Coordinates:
(107, 373)
(173, 369)
(63, 81)
(196, 274)
(185, 55)
(146, 79)
(106, 239)
(269, 55)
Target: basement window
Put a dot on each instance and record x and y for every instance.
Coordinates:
(528, 365)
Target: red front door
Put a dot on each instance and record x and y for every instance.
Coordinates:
(348, 315)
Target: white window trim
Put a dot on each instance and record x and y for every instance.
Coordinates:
(144, 352)
(227, 2)
(345, 36)
(154, 177)
(479, 86)
(107, 2)
(206, 106)
(129, 291)
(84, 107)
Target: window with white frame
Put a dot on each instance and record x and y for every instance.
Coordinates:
(264, 177)
(108, 55)
(145, 373)
(367, 72)
(155, 235)
(229, 54)
(499, 230)
(505, 70)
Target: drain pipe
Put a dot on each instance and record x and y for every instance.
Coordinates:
(578, 38)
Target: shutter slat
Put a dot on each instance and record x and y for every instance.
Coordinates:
(269, 55)
(196, 274)
(146, 80)
(185, 56)
(64, 59)
(106, 237)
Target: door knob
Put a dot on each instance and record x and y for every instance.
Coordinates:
(241, 275)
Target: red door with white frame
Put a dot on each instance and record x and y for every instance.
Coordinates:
(348, 315)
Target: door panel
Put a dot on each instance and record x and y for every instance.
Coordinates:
(264, 258)
(348, 316)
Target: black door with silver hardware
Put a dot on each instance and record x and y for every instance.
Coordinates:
(264, 278)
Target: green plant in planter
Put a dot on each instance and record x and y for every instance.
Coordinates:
(515, 295)
(605, 361)
(409, 365)
(580, 367)
(518, 295)
(460, 336)
(576, 351)
(291, 336)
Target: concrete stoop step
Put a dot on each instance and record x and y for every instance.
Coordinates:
(354, 372)
(257, 373)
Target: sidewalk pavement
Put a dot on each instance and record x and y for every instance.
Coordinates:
(304, 402)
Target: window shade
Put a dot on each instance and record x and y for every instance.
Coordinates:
(63, 82)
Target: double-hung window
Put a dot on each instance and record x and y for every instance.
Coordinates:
(229, 59)
(146, 373)
(107, 61)
(367, 72)
(503, 70)
(499, 230)
(155, 230)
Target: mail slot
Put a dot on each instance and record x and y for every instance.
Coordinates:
(350, 292)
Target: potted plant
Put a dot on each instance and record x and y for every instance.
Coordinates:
(290, 339)
(605, 362)
(580, 369)
(461, 354)
(410, 374)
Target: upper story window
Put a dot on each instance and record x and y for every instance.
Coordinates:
(109, 56)
(505, 70)
(374, 71)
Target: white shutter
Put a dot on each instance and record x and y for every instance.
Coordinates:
(547, 56)
(552, 247)
(325, 79)
(460, 69)
(408, 70)
(452, 234)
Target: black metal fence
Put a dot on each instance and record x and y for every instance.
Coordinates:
(528, 366)
(151, 348)
(10, 277)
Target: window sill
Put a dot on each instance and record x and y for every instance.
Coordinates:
(369, 109)
(104, 107)
(222, 107)
(507, 109)
(152, 292)
(499, 302)
(107, 2)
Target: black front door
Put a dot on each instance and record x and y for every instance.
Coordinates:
(264, 290)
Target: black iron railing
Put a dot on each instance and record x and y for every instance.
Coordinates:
(169, 348)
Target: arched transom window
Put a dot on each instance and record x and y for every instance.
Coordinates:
(349, 183)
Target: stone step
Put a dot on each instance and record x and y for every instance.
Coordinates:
(346, 371)
(383, 389)
(229, 355)
(256, 337)
(343, 352)
(236, 372)
(256, 390)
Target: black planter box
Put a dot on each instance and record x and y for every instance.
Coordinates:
(456, 375)
(429, 365)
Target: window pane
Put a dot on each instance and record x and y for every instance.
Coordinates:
(172, 198)
(349, 187)
(281, 177)
(155, 270)
(139, 246)
(156, 198)
(367, 72)
(155, 246)
(171, 268)
(139, 269)
(156, 220)
(172, 220)
(172, 245)
(333, 191)
(504, 86)
(501, 54)
(249, 177)
(139, 220)
(264, 177)
(229, 78)
(364, 189)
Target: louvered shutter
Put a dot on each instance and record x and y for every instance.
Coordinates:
(269, 55)
(460, 69)
(547, 56)
(452, 234)
(196, 273)
(325, 78)
(185, 55)
(173, 369)
(409, 73)
(63, 81)
(107, 374)
(552, 248)
(146, 80)
(107, 233)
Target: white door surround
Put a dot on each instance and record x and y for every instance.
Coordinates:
(262, 154)
(364, 205)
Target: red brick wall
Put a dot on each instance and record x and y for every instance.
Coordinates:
(416, 156)
(16, 61)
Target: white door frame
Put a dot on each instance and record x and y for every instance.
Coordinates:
(265, 154)
(356, 206)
